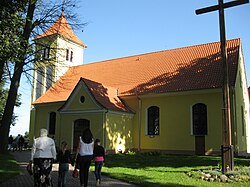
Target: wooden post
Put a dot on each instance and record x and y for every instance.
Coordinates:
(226, 151)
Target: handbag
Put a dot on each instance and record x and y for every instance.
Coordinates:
(29, 168)
(75, 173)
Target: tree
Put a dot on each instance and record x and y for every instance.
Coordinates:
(34, 16)
(3, 97)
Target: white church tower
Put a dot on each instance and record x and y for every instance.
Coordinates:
(57, 49)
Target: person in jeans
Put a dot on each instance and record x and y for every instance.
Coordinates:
(99, 157)
(64, 159)
(85, 150)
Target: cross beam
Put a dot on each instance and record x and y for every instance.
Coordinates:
(226, 148)
(225, 5)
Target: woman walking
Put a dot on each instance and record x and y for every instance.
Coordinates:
(42, 155)
(85, 150)
(99, 157)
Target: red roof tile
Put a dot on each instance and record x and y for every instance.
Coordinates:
(188, 68)
(62, 27)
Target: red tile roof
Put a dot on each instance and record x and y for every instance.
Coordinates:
(62, 27)
(188, 68)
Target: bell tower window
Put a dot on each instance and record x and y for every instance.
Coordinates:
(46, 51)
(69, 55)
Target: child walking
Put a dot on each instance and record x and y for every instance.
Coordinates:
(64, 159)
(99, 158)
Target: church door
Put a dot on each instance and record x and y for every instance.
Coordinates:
(200, 145)
(79, 126)
(199, 111)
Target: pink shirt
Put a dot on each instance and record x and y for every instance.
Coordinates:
(99, 158)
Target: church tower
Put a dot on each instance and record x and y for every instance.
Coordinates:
(57, 49)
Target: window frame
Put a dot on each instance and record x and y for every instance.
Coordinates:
(154, 126)
(204, 127)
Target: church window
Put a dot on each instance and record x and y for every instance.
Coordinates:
(67, 54)
(199, 112)
(52, 123)
(82, 99)
(242, 121)
(46, 51)
(153, 122)
(71, 56)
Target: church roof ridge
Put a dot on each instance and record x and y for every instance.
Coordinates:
(153, 52)
(63, 28)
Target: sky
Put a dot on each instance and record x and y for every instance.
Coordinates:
(120, 28)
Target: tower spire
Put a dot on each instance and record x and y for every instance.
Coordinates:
(63, 1)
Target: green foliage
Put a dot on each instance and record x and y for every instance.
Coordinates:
(11, 24)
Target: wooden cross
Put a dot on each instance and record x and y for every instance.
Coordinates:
(226, 148)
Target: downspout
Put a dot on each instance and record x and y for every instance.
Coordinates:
(104, 126)
(139, 122)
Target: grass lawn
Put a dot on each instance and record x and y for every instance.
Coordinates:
(163, 170)
(8, 167)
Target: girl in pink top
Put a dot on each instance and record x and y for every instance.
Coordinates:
(99, 157)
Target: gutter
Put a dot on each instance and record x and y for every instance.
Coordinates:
(234, 135)
(104, 125)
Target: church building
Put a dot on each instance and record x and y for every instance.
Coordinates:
(169, 101)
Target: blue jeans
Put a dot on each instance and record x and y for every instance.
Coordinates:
(98, 169)
(63, 174)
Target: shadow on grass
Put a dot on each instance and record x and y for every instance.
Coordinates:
(143, 181)
(8, 167)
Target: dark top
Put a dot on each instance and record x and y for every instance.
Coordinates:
(99, 151)
(64, 158)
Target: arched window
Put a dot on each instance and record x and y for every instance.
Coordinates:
(39, 82)
(199, 112)
(52, 123)
(153, 116)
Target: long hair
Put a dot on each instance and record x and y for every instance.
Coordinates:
(63, 146)
(87, 136)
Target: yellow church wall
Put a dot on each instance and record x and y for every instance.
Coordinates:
(32, 126)
(119, 135)
(176, 121)
(241, 110)
(40, 119)
(134, 103)
(66, 125)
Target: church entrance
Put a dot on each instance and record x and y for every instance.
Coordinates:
(200, 145)
(79, 126)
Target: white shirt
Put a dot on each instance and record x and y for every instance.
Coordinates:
(43, 147)
(86, 149)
